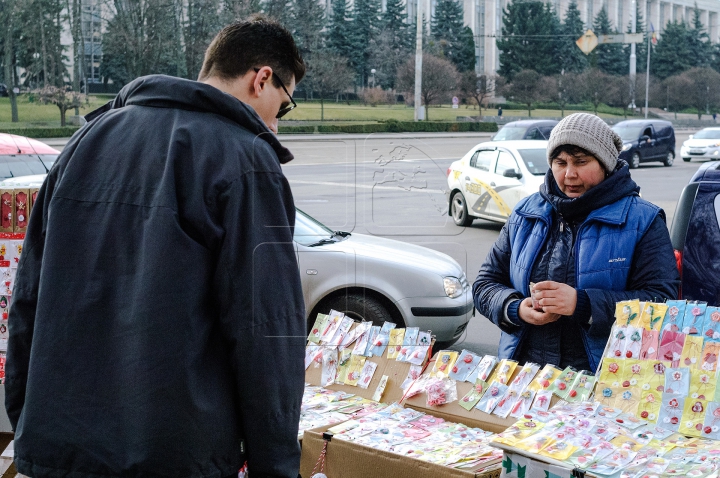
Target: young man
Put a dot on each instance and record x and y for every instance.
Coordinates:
(158, 321)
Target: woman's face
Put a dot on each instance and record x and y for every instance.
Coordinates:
(576, 175)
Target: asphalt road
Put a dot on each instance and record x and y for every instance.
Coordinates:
(394, 186)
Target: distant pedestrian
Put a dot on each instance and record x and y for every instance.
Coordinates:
(499, 110)
(714, 117)
(158, 323)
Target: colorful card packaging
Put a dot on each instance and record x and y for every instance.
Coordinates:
(484, 368)
(313, 353)
(503, 371)
(317, 328)
(674, 315)
(545, 378)
(671, 347)
(361, 345)
(380, 342)
(409, 340)
(522, 404)
(495, 392)
(711, 424)
(419, 352)
(395, 344)
(628, 400)
(650, 344)
(342, 331)
(542, 400)
(329, 366)
(710, 354)
(711, 324)
(525, 376)
(627, 312)
(343, 366)
(694, 318)
(504, 406)
(650, 402)
(582, 387)
(691, 355)
(22, 209)
(466, 362)
(656, 377)
(671, 411)
(444, 363)
(331, 325)
(372, 335)
(7, 210)
(561, 385)
(367, 373)
(702, 384)
(677, 381)
(693, 416)
(469, 401)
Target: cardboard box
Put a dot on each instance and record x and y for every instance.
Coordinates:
(346, 459)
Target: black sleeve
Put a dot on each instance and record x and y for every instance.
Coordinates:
(262, 315)
(653, 277)
(492, 287)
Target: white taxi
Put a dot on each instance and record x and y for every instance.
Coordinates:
(493, 177)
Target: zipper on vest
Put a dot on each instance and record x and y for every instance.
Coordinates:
(561, 226)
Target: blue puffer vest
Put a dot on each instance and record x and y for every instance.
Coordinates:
(604, 252)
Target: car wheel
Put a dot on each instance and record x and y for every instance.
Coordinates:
(687, 160)
(458, 209)
(634, 161)
(360, 307)
(668, 161)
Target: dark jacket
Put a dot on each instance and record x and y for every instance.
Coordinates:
(609, 244)
(158, 321)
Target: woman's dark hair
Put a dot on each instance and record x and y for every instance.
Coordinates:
(253, 43)
(572, 150)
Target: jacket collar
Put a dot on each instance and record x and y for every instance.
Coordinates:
(161, 91)
(615, 213)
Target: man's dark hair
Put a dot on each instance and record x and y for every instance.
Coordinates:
(253, 43)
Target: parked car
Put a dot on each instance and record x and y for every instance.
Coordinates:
(695, 235)
(4, 90)
(646, 140)
(371, 278)
(526, 129)
(705, 144)
(21, 156)
(492, 177)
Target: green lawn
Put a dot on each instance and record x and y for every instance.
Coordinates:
(31, 113)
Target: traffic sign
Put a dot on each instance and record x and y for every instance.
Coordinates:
(587, 42)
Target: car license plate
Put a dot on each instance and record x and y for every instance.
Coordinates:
(696, 151)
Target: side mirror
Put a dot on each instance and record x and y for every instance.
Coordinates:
(511, 173)
(644, 138)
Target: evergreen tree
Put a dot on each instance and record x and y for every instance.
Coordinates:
(699, 41)
(393, 45)
(449, 33)
(308, 20)
(572, 59)
(203, 22)
(609, 57)
(280, 10)
(337, 39)
(394, 22)
(672, 53)
(528, 39)
(364, 28)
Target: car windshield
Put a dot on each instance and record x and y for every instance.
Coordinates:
(535, 160)
(309, 232)
(628, 133)
(707, 134)
(14, 165)
(510, 132)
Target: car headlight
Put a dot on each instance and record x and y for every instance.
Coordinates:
(626, 146)
(453, 287)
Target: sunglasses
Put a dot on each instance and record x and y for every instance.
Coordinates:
(288, 108)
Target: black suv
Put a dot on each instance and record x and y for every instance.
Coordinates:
(3, 90)
(695, 235)
(646, 140)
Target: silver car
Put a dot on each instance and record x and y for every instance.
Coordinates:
(377, 279)
(370, 278)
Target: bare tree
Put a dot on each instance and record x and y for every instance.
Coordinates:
(525, 88)
(676, 88)
(62, 97)
(619, 92)
(439, 79)
(8, 14)
(703, 89)
(595, 87)
(327, 74)
(477, 87)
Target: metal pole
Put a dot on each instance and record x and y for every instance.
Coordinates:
(647, 78)
(633, 58)
(418, 61)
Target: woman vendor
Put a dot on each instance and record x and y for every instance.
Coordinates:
(586, 240)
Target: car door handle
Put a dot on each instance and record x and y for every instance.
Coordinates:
(492, 184)
(467, 178)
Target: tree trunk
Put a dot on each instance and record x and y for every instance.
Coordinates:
(322, 108)
(44, 50)
(9, 64)
(529, 113)
(62, 116)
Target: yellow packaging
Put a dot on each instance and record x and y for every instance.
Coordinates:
(627, 312)
(503, 371)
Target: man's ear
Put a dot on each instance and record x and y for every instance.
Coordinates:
(262, 77)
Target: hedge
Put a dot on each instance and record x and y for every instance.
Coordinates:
(58, 132)
(386, 127)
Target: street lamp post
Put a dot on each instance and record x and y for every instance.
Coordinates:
(372, 72)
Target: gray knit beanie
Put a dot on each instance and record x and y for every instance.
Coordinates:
(591, 134)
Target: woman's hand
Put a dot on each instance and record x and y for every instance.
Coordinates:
(535, 317)
(555, 297)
